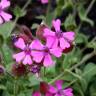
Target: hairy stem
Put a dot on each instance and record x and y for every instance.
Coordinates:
(16, 19)
(85, 58)
(86, 13)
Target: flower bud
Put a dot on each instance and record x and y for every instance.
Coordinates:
(68, 49)
(40, 31)
(1, 70)
(35, 68)
(43, 87)
(19, 70)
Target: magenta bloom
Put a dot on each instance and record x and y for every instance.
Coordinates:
(3, 15)
(25, 55)
(37, 93)
(44, 1)
(44, 52)
(61, 39)
(58, 91)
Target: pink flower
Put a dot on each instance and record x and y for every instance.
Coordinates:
(61, 39)
(58, 91)
(3, 15)
(25, 55)
(44, 1)
(37, 93)
(44, 52)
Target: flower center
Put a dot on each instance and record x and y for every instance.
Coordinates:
(58, 34)
(0, 9)
(35, 68)
(27, 50)
(61, 93)
(46, 49)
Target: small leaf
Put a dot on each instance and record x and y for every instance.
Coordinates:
(70, 23)
(33, 80)
(50, 16)
(89, 71)
(5, 29)
(83, 17)
(2, 87)
(34, 26)
(7, 54)
(81, 38)
(18, 12)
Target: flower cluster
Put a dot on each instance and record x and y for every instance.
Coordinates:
(44, 1)
(56, 42)
(55, 91)
(3, 15)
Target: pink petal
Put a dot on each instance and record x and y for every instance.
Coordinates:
(37, 56)
(6, 16)
(44, 1)
(19, 56)
(52, 89)
(55, 43)
(1, 20)
(59, 84)
(69, 35)
(5, 3)
(68, 92)
(20, 43)
(36, 93)
(27, 60)
(36, 44)
(56, 52)
(48, 61)
(48, 94)
(50, 41)
(56, 24)
(58, 95)
(48, 32)
(64, 43)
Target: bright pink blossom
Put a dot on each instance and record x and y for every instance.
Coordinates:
(44, 52)
(3, 15)
(61, 39)
(44, 1)
(25, 55)
(59, 91)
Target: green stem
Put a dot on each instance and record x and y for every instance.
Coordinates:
(15, 87)
(85, 58)
(86, 13)
(16, 19)
(48, 9)
(3, 55)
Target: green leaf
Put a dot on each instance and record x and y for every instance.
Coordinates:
(18, 12)
(7, 54)
(21, 94)
(34, 26)
(5, 29)
(89, 71)
(81, 38)
(78, 89)
(34, 80)
(83, 17)
(92, 44)
(93, 89)
(50, 16)
(2, 87)
(70, 23)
